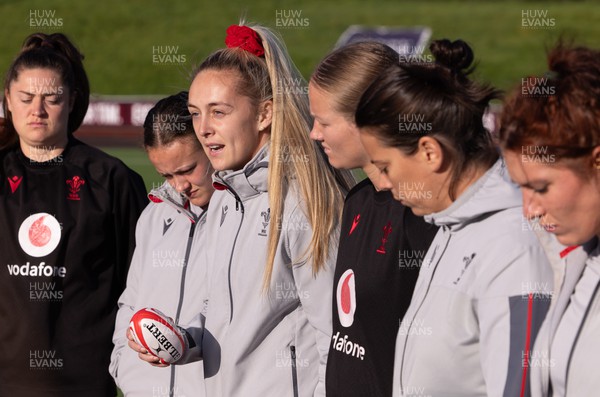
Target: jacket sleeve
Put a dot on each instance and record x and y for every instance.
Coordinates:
(129, 200)
(513, 303)
(315, 291)
(127, 300)
(194, 334)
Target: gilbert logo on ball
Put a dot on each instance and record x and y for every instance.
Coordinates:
(39, 234)
(157, 333)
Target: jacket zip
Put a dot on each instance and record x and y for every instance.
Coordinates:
(420, 305)
(188, 249)
(231, 256)
(294, 370)
(238, 205)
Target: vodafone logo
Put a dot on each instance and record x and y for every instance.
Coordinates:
(39, 234)
(346, 298)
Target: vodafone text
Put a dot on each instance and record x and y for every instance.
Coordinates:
(37, 271)
(345, 346)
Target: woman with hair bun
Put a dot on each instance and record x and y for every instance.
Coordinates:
(481, 294)
(272, 225)
(550, 136)
(68, 213)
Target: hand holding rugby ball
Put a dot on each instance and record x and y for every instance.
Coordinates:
(158, 335)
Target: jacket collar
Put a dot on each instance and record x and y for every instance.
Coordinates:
(169, 196)
(492, 192)
(250, 181)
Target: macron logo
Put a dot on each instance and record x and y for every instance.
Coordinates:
(14, 181)
(223, 214)
(167, 224)
(354, 223)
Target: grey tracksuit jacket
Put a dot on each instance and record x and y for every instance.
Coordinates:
(257, 344)
(482, 293)
(166, 273)
(567, 351)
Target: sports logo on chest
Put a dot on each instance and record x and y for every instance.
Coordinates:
(467, 261)
(75, 184)
(223, 214)
(14, 182)
(346, 307)
(265, 218)
(167, 224)
(354, 224)
(387, 229)
(346, 298)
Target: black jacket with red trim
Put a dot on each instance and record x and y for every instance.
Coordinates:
(67, 230)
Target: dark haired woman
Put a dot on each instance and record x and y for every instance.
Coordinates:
(167, 249)
(67, 214)
(552, 149)
(479, 299)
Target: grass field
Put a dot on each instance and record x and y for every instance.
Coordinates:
(118, 37)
(137, 160)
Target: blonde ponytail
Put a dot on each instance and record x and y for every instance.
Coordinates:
(323, 196)
(321, 187)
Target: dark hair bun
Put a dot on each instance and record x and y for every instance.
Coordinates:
(454, 55)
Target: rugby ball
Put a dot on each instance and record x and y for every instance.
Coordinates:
(157, 333)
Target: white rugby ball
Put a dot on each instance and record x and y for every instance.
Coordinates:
(153, 330)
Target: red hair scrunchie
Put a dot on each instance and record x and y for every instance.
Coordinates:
(245, 38)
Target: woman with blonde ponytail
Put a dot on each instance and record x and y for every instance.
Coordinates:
(272, 225)
(381, 241)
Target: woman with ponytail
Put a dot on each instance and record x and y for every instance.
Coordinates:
(483, 289)
(382, 242)
(68, 214)
(272, 224)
